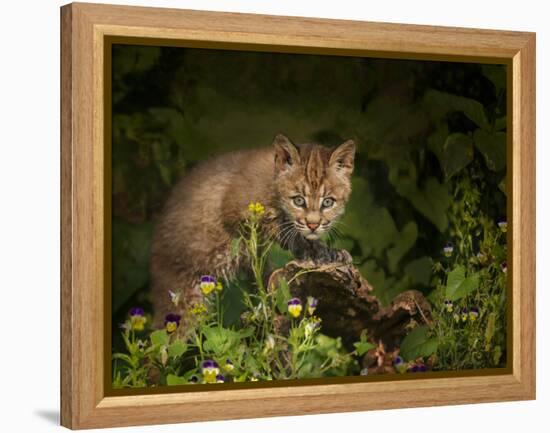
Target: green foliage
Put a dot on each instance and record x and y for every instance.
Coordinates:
(159, 338)
(493, 148)
(363, 345)
(470, 296)
(458, 285)
(456, 154)
(130, 268)
(469, 315)
(255, 349)
(418, 344)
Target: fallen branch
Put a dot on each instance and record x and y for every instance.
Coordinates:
(347, 305)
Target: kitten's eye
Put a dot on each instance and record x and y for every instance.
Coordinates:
(328, 202)
(299, 201)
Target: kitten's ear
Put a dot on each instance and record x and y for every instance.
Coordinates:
(343, 156)
(286, 153)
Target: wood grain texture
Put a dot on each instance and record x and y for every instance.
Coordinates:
(67, 394)
(84, 28)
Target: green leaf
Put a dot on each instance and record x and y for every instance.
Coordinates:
(454, 151)
(382, 283)
(165, 172)
(159, 338)
(454, 279)
(363, 347)
(130, 259)
(172, 379)
(441, 103)
(502, 185)
(458, 285)
(496, 74)
(436, 140)
(490, 330)
(282, 296)
(497, 355)
(231, 302)
(371, 225)
(125, 358)
(306, 371)
(492, 147)
(501, 123)
(458, 152)
(417, 344)
(278, 257)
(432, 201)
(469, 285)
(127, 59)
(419, 270)
(221, 340)
(177, 348)
(403, 242)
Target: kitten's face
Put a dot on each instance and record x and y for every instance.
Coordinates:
(313, 186)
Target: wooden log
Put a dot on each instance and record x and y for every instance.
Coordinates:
(347, 305)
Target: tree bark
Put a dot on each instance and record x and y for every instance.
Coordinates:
(347, 306)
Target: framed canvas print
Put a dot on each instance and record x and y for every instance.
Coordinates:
(277, 216)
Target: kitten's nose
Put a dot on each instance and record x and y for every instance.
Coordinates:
(312, 226)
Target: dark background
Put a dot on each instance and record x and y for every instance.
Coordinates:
(418, 126)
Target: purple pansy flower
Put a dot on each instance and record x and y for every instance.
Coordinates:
(311, 304)
(137, 318)
(207, 284)
(220, 378)
(294, 307)
(136, 311)
(171, 322)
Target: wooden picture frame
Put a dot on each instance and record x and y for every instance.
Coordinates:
(84, 229)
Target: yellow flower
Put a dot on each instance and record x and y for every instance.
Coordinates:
(256, 208)
(207, 284)
(198, 309)
(294, 307)
(229, 366)
(137, 319)
(171, 322)
(210, 370)
(138, 323)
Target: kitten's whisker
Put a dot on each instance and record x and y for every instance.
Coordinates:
(276, 231)
(332, 237)
(340, 223)
(286, 234)
(293, 239)
(337, 232)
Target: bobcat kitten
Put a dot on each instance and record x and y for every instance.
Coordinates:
(303, 188)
